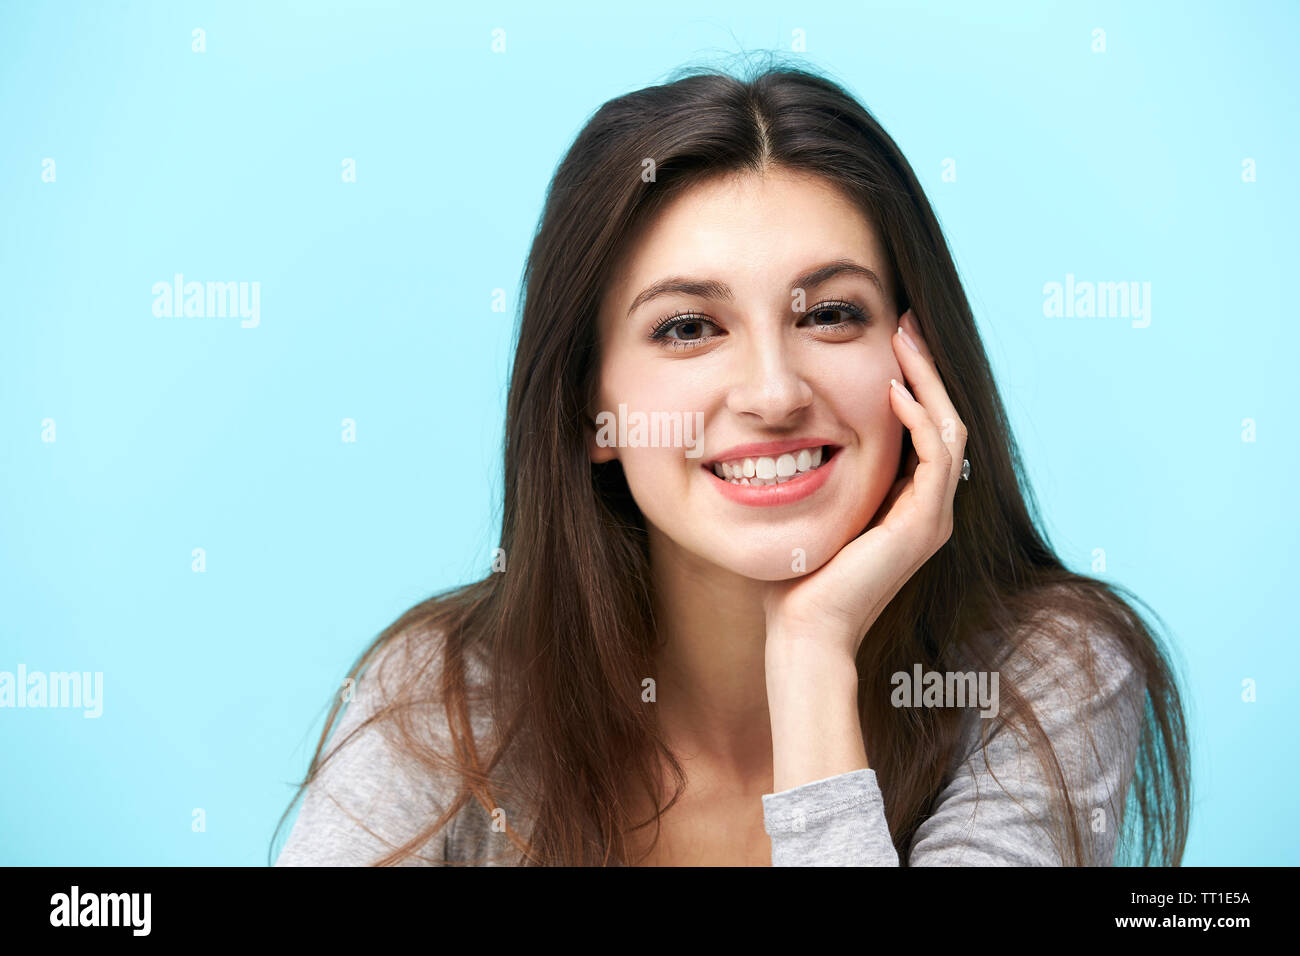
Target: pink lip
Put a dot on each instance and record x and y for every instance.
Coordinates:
(788, 492)
(769, 448)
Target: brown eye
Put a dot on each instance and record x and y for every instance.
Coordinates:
(682, 331)
(838, 314)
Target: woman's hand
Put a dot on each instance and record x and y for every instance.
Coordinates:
(830, 610)
(816, 623)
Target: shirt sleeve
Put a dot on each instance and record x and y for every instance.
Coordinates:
(838, 821)
(365, 801)
(993, 809)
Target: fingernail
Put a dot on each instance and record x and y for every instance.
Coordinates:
(908, 339)
(901, 387)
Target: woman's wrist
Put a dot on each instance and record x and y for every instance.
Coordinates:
(812, 699)
(794, 646)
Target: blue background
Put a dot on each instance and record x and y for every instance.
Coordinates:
(376, 305)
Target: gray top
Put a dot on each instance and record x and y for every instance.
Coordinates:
(364, 802)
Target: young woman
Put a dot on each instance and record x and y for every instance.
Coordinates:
(805, 617)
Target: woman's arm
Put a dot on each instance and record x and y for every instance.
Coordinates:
(994, 809)
(812, 699)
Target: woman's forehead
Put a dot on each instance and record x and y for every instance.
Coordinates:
(748, 231)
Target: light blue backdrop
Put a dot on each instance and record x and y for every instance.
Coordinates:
(172, 434)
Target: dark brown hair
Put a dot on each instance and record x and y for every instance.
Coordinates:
(566, 633)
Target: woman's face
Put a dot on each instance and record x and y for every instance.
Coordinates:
(760, 356)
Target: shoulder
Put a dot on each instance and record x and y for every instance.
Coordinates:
(1064, 742)
(1076, 678)
(1070, 666)
(372, 791)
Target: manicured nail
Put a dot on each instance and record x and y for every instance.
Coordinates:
(908, 339)
(901, 387)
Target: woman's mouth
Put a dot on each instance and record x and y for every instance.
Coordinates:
(773, 479)
(774, 469)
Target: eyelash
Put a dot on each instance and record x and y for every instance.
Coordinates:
(857, 315)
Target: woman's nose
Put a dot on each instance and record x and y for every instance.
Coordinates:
(768, 382)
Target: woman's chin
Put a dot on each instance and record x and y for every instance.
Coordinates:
(781, 565)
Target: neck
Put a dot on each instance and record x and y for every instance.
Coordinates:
(711, 690)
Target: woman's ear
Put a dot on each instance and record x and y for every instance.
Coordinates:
(601, 428)
(600, 439)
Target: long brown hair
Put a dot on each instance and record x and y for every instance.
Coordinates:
(566, 633)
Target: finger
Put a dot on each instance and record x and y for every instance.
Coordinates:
(923, 376)
(934, 460)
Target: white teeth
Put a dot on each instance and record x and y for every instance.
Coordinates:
(768, 470)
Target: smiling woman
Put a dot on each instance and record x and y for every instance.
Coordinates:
(783, 338)
(691, 658)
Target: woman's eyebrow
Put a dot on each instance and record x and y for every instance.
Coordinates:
(713, 289)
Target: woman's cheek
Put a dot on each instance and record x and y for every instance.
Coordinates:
(656, 477)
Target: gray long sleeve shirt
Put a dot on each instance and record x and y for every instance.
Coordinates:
(992, 809)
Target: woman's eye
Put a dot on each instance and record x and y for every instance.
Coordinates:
(685, 331)
(835, 314)
(682, 332)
